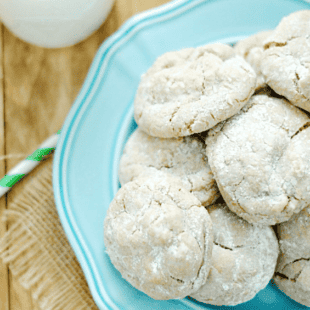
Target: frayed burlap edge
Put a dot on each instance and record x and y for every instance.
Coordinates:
(37, 251)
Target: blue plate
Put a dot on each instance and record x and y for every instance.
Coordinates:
(101, 119)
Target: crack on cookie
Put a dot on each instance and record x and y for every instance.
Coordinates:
(201, 246)
(239, 205)
(136, 229)
(232, 248)
(202, 263)
(173, 199)
(247, 71)
(203, 249)
(270, 55)
(247, 98)
(124, 206)
(158, 202)
(297, 275)
(289, 201)
(248, 107)
(283, 276)
(302, 258)
(166, 166)
(280, 44)
(295, 81)
(190, 124)
(237, 184)
(294, 261)
(274, 44)
(191, 183)
(228, 138)
(176, 279)
(157, 217)
(223, 246)
(173, 114)
(305, 126)
(295, 278)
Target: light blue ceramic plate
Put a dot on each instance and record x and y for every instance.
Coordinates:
(100, 121)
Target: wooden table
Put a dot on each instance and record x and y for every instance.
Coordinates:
(37, 89)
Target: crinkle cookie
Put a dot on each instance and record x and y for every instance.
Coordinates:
(191, 90)
(244, 258)
(293, 270)
(260, 160)
(184, 158)
(286, 59)
(159, 237)
(251, 49)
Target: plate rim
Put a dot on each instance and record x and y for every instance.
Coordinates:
(81, 103)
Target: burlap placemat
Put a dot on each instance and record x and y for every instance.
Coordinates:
(37, 251)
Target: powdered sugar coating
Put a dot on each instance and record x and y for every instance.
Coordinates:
(159, 237)
(260, 160)
(251, 49)
(191, 90)
(293, 270)
(286, 59)
(244, 258)
(184, 158)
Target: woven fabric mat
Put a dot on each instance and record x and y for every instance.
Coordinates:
(37, 251)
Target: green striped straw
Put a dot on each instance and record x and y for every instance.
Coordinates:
(28, 164)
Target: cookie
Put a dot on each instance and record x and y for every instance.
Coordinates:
(184, 158)
(159, 237)
(244, 258)
(260, 160)
(191, 90)
(286, 59)
(251, 49)
(293, 270)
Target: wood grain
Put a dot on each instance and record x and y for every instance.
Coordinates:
(4, 275)
(37, 89)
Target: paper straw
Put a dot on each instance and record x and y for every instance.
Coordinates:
(28, 164)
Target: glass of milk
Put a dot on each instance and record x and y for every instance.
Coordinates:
(54, 23)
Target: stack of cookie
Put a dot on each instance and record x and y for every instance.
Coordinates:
(221, 153)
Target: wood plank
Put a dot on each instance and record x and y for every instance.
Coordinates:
(20, 299)
(4, 276)
(21, 68)
(142, 5)
(40, 86)
(124, 10)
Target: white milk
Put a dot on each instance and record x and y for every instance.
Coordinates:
(54, 23)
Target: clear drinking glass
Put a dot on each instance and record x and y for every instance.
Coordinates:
(54, 23)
